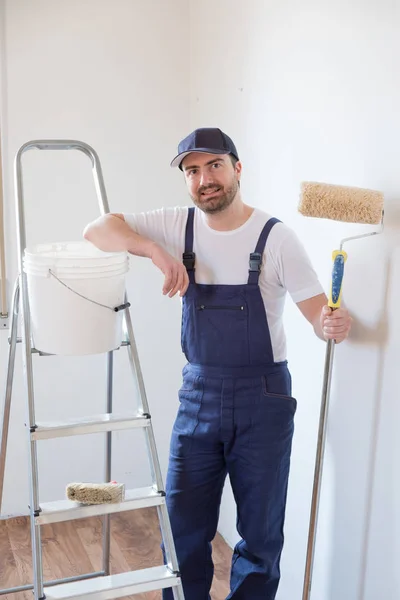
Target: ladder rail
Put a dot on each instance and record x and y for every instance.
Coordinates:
(8, 389)
(107, 469)
(21, 304)
(155, 468)
(26, 338)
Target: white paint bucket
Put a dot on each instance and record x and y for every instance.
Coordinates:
(74, 292)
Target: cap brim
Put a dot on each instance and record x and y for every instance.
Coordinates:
(179, 158)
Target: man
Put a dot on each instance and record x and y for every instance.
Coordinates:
(233, 265)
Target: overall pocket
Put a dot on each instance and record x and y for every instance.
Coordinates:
(273, 419)
(219, 307)
(278, 386)
(190, 397)
(221, 328)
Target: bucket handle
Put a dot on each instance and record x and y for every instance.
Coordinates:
(114, 309)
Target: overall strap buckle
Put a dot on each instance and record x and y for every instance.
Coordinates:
(189, 260)
(255, 262)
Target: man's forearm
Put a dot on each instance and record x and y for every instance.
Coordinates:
(111, 233)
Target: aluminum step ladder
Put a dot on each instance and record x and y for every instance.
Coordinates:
(99, 585)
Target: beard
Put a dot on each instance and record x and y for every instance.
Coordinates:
(211, 205)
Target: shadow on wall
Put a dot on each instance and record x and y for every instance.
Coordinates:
(364, 499)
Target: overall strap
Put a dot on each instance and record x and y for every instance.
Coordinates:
(188, 255)
(256, 256)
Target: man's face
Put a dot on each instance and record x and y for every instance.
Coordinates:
(212, 180)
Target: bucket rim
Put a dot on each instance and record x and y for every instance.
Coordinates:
(122, 271)
(55, 250)
(74, 265)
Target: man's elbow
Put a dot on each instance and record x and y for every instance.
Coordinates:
(90, 232)
(100, 226)
(87, 232)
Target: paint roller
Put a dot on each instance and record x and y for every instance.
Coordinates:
(96, 493)
(351, 205)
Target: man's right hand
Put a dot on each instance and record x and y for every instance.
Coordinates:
(176, 277)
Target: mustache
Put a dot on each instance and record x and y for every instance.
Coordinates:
(205, 188)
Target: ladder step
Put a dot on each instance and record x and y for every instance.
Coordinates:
(92, 424)
(36, 351)
(65, 510)
(115, 586)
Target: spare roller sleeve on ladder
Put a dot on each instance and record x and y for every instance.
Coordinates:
(96, 493)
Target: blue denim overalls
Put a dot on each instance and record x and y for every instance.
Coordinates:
(236, 417)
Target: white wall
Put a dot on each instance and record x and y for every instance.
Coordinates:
(309, 91)
(114, 76)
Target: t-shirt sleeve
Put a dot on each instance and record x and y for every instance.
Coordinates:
(295, 270)
(165, 226)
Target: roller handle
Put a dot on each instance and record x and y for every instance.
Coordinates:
(335, 296)
(339, 258)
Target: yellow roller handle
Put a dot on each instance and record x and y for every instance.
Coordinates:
(339, 257)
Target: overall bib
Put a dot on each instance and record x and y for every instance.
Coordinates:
(236, 417)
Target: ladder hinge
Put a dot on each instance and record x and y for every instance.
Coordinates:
(33, 428)
(146, 415)
(36, 513)
(177, 573)
(161, 492)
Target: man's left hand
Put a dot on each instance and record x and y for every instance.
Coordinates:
(335, 324)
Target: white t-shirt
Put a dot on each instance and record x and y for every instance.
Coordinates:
(222, 257)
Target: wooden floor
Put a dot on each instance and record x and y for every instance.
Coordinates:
(74, 548)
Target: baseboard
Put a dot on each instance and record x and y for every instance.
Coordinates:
(14, 516)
